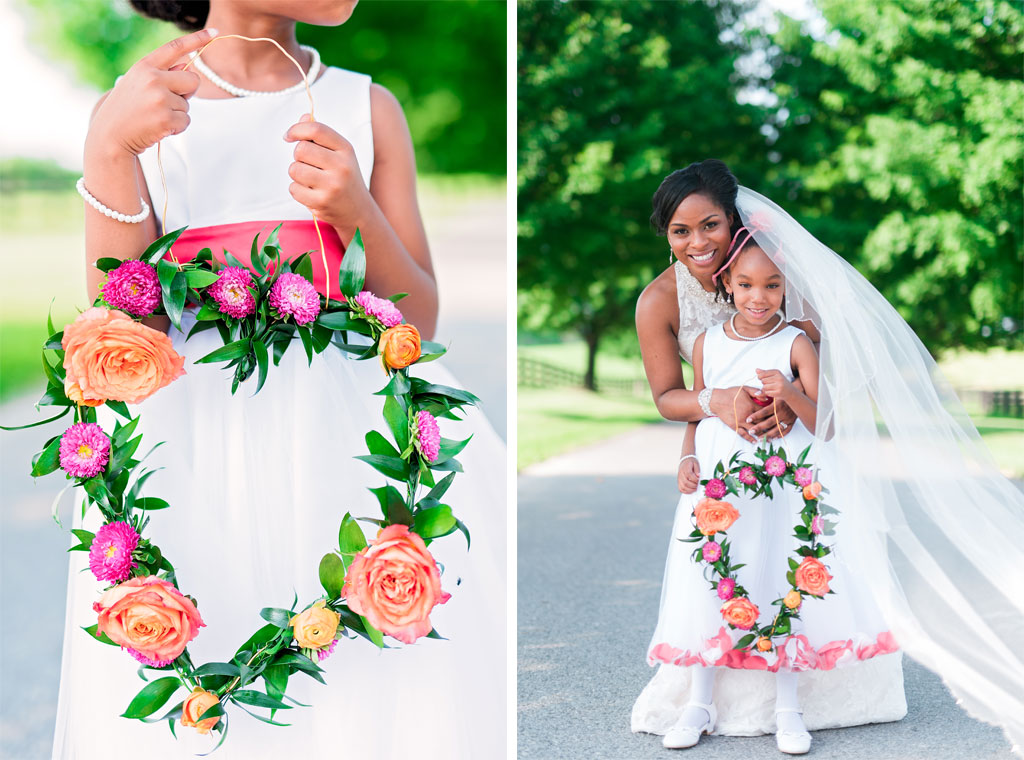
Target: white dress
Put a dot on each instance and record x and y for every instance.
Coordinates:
(258, 486)
(846, 676)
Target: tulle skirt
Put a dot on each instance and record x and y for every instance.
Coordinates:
(258, 486)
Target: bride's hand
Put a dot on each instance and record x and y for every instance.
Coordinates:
(150, 102)
(688, 476)
(762, 422)
(326, 175)
(741, 399)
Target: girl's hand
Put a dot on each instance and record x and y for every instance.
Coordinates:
(150, 102)
(688, 476)
(774, 384)
(326, 175)
(724, 400)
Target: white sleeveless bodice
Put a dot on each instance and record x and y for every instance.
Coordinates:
(729, 363)
(231, 164)
(698, 310)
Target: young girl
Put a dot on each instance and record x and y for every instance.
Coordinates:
(754, 347)
(258, 484)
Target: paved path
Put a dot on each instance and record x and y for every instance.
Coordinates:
(591, 533)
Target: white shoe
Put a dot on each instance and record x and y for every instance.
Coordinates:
(683, 736)
(792, 742)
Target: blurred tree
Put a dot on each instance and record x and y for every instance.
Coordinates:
(902, 140)
(611, 98)
(443, 60)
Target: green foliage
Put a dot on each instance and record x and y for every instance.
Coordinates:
(611, 98)
(901, 144)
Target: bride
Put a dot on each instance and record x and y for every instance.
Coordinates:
(936, 531)
(258, 483)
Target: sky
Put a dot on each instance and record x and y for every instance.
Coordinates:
(48, 109)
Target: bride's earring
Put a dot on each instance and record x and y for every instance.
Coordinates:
(671, 256)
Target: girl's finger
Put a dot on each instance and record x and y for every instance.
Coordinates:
(165, 56)
(317, 133)
(306, 175)
(176, 102)
(183, 83)
(313, 154)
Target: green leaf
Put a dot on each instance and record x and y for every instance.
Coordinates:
(204, 255)
(332, 575)
(231, 351)
(84, 536)
(422, 387)
(441, 488)
(123, 453)
(47, 460)
(264, 635)
(392, 505)
(392, 467)
(434, 523)
(450, 449)
(156, 250)
(397, 386)
(339, 320)
(206, 313)
(276, 677)
(277, 616)
(152, 697)
(37, 424)
(350, 536)
(107, 263)
(150, 503)
(232, 261)
(201, 278)
(378, 444)
(257, 259)
(303, 265)
(465, 531)
(123, 432)
(217, 669)
(262, 361)
(258, 699)
(372, 633)
(352, 272)
(53, 343)
(398, 421)
(307, 343)
(119, 407)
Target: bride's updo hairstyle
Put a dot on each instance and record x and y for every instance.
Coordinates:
(189, 15)
(710, 178)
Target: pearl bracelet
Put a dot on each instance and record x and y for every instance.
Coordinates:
(91, 200)
(687, 456)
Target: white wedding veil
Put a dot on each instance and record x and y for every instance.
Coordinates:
(927, 519)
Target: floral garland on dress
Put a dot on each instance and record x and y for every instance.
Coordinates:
(385, 586)
(712, 517)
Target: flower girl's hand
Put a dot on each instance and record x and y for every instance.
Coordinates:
(688, 476)
(326, 174)
(150, 102)
(774, 384)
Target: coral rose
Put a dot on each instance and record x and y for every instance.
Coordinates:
(812, 577)
(195, 704)
(110, 356)
(764, 644)
(395, 583)
(316, 626)
(792, 600)
(399, 346)
(812, 491)
(149, 616)
(714, 516)
(73, 392)
(740, 612)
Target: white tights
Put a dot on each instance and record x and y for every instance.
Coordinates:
(785, 699)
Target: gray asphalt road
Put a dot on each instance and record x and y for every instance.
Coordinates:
(591, 535)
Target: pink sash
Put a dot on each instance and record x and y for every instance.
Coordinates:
(295, 237)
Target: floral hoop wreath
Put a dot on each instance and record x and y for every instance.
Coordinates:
(385, 586)
(712, 517)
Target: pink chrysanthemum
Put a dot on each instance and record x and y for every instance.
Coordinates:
(146, 660)
(381, 308)
(715, 489)
(803, 476)
(84, 450)
(428, 436)
(232, 293)
(817, 525)
(132, 287)
(110, 556)
(747, 476)
(726, 589)
(294, 295)
(325, 652)
(712, 551)
(775, 466)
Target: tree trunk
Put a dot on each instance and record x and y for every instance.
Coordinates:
(590, 378)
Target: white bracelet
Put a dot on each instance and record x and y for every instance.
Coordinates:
(685, 457)
(91, 200)
(704, 399)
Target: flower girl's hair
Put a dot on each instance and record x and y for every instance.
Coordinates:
(189, 15)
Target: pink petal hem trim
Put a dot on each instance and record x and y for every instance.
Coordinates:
(796, 653)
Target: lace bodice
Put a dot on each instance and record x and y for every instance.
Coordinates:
(698, 310)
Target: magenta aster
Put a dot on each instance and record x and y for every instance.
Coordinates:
(232, 292)
(428, 436)
(715, 489)
(381, 308)
(84, 450)
(712, 551)
(132, 287)
(747, 476)
(324, 652)
(294, 295)
(803, 476)
(110, 556)
(817, 525)
(145, 660)
(726, 589)
(775, 466)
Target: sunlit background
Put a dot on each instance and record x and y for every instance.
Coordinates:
(891, 129)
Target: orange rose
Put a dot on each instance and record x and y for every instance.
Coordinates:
(150, 617)
(764, 644)
(713, 516)
(110, 356)
(812, 577)
(400, 346)
(195, 704)
(395, 583)
(792, 600)
(315, 627)
(73, 392)
(740, 612)
(811, 491)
